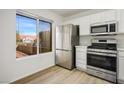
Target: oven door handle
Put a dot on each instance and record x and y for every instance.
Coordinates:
(102, 54)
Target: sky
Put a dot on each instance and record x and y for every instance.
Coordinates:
(27, 26)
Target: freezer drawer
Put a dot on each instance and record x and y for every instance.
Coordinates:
(64, 58)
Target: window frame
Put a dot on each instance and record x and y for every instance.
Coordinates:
(38, 19)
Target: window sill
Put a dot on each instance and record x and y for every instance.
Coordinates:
(32, 56)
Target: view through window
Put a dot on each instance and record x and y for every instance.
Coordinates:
(44, 37)
(26, 36)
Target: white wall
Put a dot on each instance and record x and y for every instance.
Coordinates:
(89, 12)
(10, 68)
(86, 40)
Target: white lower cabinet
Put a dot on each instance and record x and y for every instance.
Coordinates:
(81, 57)
(121, 66)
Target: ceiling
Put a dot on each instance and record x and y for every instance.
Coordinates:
(68, 12)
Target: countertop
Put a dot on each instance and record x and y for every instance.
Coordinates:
(81, 46)
(120, 49)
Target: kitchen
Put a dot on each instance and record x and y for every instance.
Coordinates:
(97, 37)
(101, 32)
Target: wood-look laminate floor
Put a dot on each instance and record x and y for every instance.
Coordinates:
(59, 75)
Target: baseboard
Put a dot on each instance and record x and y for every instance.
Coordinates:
(30, 77)
(120, 81)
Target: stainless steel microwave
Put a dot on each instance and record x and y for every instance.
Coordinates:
(104, 28)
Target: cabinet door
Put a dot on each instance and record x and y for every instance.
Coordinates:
(121, 68)
(121, 20)
(84, 25)
(81, 58)
(81, 66)
(108, 15)
(95, 18)
(101, 17)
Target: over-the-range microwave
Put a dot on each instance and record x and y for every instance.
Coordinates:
(104, 28)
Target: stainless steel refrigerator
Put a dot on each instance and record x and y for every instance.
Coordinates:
(67, 37)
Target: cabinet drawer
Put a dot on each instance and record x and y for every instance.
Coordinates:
(81, 52)
(81, 49)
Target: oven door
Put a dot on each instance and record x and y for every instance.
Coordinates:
(101, 60)
(99, 29)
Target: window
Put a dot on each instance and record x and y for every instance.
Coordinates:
(44, 37)
(26, 36)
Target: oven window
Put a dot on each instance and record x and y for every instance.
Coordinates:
(104, 62)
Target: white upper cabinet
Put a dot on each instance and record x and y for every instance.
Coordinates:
(86, 21)
(101, 17)
(85, 25)
(95, 18)
(120, 17)
(108, 15)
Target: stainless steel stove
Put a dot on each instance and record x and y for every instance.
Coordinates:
(102, 59)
